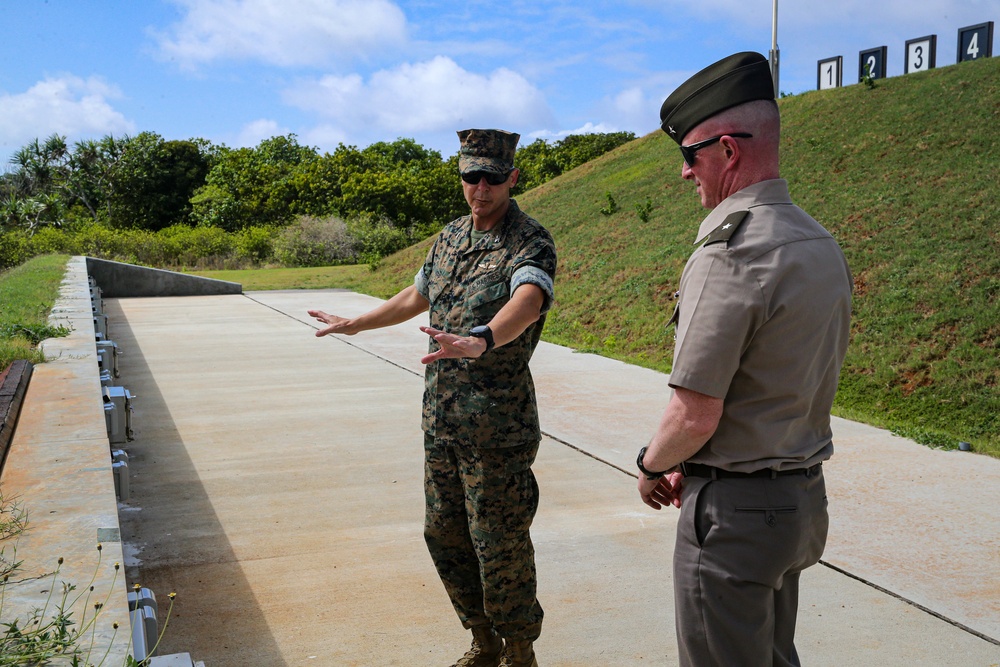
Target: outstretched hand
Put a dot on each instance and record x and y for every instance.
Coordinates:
(336, 325)
(452, 346)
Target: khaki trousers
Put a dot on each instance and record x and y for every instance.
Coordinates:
(741, 544)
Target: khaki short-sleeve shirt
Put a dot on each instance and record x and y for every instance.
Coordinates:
(763, 321)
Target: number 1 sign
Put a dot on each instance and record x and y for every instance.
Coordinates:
(921, 54)
(830, 73)
(975, 41)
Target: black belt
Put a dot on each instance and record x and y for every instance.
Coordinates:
(711, 472)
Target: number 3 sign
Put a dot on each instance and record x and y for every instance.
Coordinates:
(921, 54)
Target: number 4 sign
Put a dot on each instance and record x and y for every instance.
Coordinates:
(975, 41)
(920, 54)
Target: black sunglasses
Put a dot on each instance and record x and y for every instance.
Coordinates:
(473, 177)
(689, 151)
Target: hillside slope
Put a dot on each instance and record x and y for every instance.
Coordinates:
(904, 175)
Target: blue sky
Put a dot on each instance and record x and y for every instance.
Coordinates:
(359, 71)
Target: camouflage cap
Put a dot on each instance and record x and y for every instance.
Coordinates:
(487, 150)
(741, 77)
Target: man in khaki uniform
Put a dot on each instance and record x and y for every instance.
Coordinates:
(487, 283)
(763, 318)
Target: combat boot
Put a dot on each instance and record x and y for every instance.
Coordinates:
(485, 651)
(518, 654)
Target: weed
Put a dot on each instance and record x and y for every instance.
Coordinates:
(867, 77)
(643, 209)
(612, 206)
(50, 634)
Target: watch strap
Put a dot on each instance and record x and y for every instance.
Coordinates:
(485, 333)
(648, 473)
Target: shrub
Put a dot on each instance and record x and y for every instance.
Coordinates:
(15, 248)
(191, 246)
(256, 244)
(376, 237)
(311, 241)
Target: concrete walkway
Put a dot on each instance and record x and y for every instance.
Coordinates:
(276, 487)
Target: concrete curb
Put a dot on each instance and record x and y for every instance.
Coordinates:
(59, 465)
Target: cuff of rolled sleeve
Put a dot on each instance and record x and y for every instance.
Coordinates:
(420, 282)
(534, 276)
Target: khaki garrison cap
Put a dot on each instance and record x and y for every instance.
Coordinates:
(742, 77)
(487, 150)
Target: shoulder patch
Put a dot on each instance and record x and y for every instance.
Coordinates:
(723, 232)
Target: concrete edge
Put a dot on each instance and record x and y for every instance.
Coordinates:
(120, 280)
(67, 519)
(51, 458)
(13, 386)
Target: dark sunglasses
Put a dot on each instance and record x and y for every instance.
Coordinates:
(473, 177)
(689, 151)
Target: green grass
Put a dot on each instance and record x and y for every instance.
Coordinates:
(904, 175)
(27, 293)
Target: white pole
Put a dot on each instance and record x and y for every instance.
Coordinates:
(775, 53)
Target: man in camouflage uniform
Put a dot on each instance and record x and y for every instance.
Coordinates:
(487, 282)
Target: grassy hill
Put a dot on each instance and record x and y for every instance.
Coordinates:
(904, 175)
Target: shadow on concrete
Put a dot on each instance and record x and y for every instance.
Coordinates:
(172, 537)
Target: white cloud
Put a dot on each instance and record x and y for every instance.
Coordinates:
(586, 128)
(326, 137)
(858, 13)
(431, 96)
(257, 131)
(71, 106)
(283, 32)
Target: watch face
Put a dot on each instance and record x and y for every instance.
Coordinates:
(484, 332)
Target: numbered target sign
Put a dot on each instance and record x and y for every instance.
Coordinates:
(975, 42)
(830, 73)
(872, 63)
(921, 54)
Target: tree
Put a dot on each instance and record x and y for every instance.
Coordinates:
(537, 164)
(402, 182)
(540, 162)
(31, 193)
(252, 186)
(91, 166)
(153, 181)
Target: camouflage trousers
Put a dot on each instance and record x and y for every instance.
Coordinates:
(480, 504)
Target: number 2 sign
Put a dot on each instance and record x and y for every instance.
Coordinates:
(830, 73)
(921, 54)
(872, 63)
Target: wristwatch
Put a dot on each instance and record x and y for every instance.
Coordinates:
(485, 333)
(647, 473)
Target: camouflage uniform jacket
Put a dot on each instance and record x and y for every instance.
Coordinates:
(490, 401)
